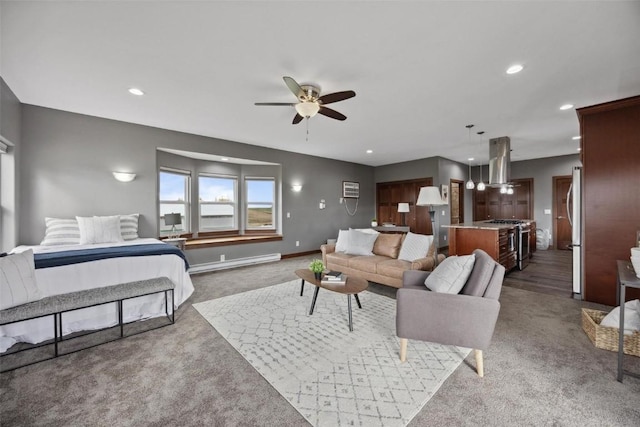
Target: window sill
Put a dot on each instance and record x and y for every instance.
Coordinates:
(230, 240)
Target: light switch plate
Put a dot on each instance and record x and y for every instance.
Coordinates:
(547, 211)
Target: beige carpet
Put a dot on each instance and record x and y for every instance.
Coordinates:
(333, 377)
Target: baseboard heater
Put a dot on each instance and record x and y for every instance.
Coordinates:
(238, 262)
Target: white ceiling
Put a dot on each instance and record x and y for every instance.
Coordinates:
(422, 70)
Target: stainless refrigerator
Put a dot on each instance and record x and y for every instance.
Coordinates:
(574, 204)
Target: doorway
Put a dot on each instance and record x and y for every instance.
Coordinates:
(456, 195)
(561, 226)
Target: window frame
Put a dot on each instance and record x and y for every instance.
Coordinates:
(236, 197)
(247, 202)
(186, 229)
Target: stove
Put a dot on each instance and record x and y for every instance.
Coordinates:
(507, 221)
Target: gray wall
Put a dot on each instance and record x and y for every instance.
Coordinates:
(68, 159)
(10, 134)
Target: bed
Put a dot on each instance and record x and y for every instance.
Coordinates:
(126, 261)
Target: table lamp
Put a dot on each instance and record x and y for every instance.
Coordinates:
(403, 208)
(173, 219)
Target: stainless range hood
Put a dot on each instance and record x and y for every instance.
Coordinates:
(499, 161)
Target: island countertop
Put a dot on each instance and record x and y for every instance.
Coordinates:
(482, 225)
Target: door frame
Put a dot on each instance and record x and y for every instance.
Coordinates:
(460, 198)
(554, 208)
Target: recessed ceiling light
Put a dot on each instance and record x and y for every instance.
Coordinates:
(515, 68)
(576, 137)
(224, 159)
(136, 91)
(566, 106)
(369, 151)
(471, 159)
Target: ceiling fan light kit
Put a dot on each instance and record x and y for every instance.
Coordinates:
(310, 102)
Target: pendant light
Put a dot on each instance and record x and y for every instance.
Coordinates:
(470, 185)
(481, 185)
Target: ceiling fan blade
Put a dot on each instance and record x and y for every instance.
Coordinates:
(294, 87)
(297, 119)
(337, 96)
(331, 113)
(276, 103)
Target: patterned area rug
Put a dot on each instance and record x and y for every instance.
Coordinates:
(330, 375)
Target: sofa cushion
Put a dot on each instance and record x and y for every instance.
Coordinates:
(361, 243)
(339, 259)
(393, 268)
(367, 264)
(451, 275)
(388, 244)
(415, 246)
(480, 276)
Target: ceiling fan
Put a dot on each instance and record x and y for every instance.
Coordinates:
(310, 102)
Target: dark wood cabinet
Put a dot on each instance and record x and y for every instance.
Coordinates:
(500, 243)
(610, 197)
(389, 194)
(491, 204)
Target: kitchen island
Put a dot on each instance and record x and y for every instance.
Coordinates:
(500, 240)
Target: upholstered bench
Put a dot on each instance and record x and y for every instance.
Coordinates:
(57, 305)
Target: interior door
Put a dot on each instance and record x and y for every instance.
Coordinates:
(561, 226)
(456, 194)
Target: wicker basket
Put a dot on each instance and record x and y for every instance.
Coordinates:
(607, 338)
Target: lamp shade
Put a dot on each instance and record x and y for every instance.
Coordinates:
(307, 108)
(172, 219)
(403, 207)
(429, 196)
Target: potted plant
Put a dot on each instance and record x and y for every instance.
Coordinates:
(374, 222)
(317, 267)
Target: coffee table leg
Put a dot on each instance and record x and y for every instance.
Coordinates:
(350, 319)
(358, 300)
(301, 286)
(313, 302)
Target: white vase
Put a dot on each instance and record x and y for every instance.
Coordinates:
(374, 223)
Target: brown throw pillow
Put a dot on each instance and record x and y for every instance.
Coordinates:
(388, 244)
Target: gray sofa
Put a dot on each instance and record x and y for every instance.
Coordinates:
(466, 319)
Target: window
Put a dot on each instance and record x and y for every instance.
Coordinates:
(260, 202)
(174, 198)
(218, 197)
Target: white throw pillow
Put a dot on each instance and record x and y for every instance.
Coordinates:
(99, 229)
(343, 241)
(61, 232)
(631, 317)
(367, 230)
(360, 243)
(451, 274)
(415, 246)
(129, 226)
(18, 280)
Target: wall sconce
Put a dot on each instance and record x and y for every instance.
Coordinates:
(124, 176)
(296, 187)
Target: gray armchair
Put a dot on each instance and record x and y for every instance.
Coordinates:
(466, 319)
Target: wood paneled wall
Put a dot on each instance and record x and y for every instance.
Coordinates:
(389, 194)
(611, 193)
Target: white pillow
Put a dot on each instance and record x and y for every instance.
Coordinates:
(18, 280)
(61, 232)
(361, 243)
(129, 226)
(367, 230)
(631, 317)
(99, 229)
(415, 246)
(451, 274)
(343, 240)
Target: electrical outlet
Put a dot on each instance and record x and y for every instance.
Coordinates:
(443, 212)
(341, 200)
(297, 243)
(288, 214)
(445, 237)
(222, 257)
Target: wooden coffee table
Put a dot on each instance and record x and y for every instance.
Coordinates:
(353, 286)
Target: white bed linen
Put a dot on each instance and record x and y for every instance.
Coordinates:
(95, 274)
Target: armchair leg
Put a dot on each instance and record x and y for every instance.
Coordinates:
(479, 363)
(403, 349)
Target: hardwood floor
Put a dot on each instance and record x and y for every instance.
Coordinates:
(548, 272)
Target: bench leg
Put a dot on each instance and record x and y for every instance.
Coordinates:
(55, 333)
(120, 317)
(173, 307)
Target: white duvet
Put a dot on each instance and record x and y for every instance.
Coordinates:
(95, 274)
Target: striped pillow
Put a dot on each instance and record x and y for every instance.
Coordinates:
(61, 232)
(18, 280)
(129, 226)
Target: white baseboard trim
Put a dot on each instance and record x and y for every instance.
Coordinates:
(238, 262)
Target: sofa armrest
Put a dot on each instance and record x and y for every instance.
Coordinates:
(426, 263)
(451, 319)
(326, 249)
(414, 277)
